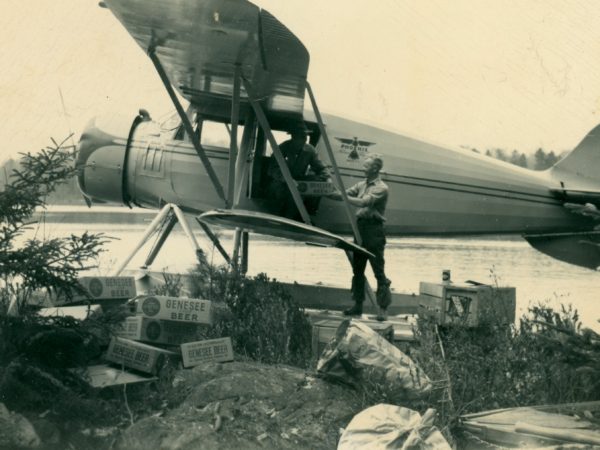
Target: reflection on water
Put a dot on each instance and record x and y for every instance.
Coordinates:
(508, 261)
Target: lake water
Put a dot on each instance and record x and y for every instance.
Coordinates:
(507, 261)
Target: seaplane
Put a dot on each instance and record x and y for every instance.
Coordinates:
(244, 72)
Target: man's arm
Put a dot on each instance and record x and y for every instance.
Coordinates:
(375, 194)
(351, 193)
(317, 166)
(369, 199)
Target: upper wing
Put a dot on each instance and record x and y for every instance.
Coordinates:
(200, 42)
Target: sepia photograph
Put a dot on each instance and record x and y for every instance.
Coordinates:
(299, 224)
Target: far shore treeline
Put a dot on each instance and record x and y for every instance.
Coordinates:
(69, 194)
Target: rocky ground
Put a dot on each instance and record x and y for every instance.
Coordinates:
(216, 406)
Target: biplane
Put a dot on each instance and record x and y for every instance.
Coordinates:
(244, 73)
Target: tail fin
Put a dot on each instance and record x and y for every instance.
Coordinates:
(584, 160)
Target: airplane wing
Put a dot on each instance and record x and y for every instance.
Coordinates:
(200, 42)
(582, 248)
(577, 196)
(278, 226)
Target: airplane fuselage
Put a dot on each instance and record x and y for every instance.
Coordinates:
(433, 190)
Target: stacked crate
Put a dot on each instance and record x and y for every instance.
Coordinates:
(165, 330)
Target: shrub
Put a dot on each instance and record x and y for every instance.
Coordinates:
(548, 359)
(50, 264)
(258, 314)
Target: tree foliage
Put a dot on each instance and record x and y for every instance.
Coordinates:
(29, 264)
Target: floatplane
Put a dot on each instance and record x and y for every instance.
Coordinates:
(242, 70)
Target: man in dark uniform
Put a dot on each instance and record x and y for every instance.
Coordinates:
(299, 156)
(370, 197)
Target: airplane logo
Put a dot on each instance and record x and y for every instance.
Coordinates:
(354, 147)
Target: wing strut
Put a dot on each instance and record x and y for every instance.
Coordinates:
(340, 183)
(336, 170)
(186, 123)
(233, 147)
(163, 223)
(241, 164)
(285, 171)
(215, 240)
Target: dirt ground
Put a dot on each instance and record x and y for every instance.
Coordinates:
(247, 405)
(243, 405)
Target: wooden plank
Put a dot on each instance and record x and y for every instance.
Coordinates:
(335, 298)
(309, 296)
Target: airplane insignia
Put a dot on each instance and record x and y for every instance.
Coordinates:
(354, 146)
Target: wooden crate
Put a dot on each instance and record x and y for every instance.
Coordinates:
(323, 332)
(465, 304)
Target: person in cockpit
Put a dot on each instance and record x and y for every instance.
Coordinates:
(304, 164)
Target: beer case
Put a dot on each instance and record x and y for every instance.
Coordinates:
(138, 356)
(139, 328)
(212, 350)
(178, 309)
(102, 288)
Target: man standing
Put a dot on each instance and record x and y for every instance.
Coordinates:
(370, 197)
(299, 156)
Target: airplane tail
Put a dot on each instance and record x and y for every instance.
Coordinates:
(583, 160)
(579, 176)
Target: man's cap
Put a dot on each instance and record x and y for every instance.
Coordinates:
(299, 129)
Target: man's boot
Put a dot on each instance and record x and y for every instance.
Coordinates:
(381, 314)
(356, 310)
(384, 298)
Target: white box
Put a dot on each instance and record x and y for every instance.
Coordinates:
(169, 332)
(212, 350)
(175, 308)
(102, 288)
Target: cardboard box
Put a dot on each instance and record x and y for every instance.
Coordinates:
(466, 304)
(77, 312)
(324, 331)
(169, 332)
(101, 376)
(103, 288)
(180, 309)
(213, 350)
(138, 356)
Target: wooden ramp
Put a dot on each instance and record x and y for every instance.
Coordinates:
(309, 296)
(403, 324)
